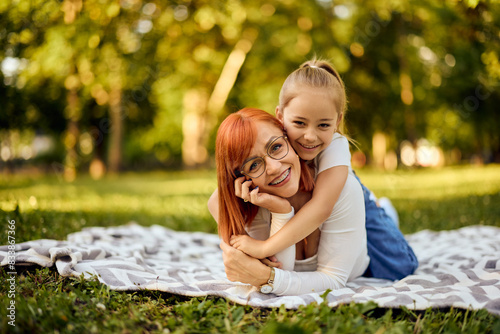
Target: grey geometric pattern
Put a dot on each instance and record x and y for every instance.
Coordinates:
(458, 268)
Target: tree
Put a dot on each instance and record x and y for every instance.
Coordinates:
(168, 73)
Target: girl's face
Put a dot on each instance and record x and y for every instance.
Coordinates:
(280, 177)
(310, 120)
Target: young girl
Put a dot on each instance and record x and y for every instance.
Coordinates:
(312, 106)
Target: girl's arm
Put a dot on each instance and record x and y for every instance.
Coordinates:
(342, 253)
(329, 185)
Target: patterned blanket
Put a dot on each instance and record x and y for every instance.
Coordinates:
(458, 268)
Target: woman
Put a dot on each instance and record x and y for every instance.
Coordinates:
(251, 142)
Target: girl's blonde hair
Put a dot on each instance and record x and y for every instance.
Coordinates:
(235, 139)
(315, 73)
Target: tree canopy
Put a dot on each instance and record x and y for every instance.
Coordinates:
(145, 83)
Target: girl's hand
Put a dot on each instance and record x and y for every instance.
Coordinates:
(272, 261)
(248, 245)
(276, 204)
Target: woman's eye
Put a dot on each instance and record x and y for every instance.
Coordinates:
(299, 123)
(276, 148)
(254, 166)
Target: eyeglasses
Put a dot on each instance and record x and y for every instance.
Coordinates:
(277, 150)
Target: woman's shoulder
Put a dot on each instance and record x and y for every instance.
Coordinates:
(260, 226)
(263, 214)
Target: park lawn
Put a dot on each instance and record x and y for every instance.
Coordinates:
(47, 207)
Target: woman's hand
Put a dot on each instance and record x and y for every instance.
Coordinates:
(243, 268)
(276, 204)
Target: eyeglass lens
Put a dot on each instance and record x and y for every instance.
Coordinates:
(277, 150)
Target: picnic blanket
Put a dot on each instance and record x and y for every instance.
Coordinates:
(458, 268)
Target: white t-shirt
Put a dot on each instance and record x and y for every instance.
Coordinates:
(336, 154)
(342, 252)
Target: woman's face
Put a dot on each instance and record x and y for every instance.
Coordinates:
(280, 177)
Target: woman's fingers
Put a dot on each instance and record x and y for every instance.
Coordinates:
(225, 247)
(254, 196)
(242, 268)
(242, 188)
(237, 185)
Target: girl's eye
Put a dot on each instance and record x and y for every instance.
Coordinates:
(299, 123)
(324, 125)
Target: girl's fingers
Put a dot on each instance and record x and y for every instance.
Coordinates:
(233, 240)
(270, 263)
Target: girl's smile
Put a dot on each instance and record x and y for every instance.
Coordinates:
(309, 147)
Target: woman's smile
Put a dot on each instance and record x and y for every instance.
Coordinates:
(282, 179)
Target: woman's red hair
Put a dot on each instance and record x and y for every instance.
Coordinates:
(235, 139)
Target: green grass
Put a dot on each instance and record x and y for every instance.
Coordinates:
(47, 207)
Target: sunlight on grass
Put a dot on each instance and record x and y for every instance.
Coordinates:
(45, 207)
(434, 184)
(51, 208)
(440, 199)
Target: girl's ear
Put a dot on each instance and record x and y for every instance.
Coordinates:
(339, 119)
(279, 114)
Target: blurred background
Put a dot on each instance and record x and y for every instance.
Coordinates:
(103, 86)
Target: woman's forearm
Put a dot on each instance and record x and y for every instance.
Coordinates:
(291, 283)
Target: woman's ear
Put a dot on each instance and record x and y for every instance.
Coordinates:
(279, 114)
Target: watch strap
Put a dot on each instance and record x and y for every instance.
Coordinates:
(268, 287)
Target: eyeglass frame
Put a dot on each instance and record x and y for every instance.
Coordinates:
(240, 173)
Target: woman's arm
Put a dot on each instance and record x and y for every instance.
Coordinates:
(243, 268)
(213, 205)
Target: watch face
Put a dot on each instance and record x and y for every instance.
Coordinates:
(266, 288)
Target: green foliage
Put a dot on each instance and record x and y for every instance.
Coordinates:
(46, 207)
(413, 69)
(48, 302)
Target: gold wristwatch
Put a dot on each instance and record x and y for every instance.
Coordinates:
(268, 287)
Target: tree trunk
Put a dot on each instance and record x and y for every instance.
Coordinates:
(200, 116)
(115, 150)
(406, 84)
(194, 128)
(71, 136)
